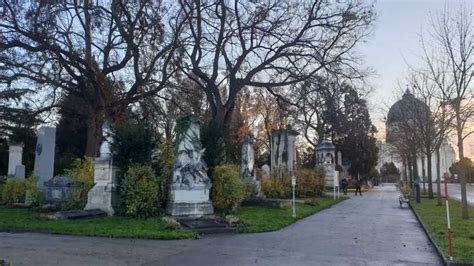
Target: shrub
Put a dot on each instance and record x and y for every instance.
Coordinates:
(82, 170)
(14, 191)
(82, 173)
(34, 196)
(277, 187)
(140, 192)
(228, 190)
(310, 182)
(163, 164)
(22, 191)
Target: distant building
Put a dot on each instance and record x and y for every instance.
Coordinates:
(447, 158)
(407, 109)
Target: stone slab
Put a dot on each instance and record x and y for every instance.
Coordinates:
(189, 209)
(189, 196)
(80, 214)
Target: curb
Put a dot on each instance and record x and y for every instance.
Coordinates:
(438, 250)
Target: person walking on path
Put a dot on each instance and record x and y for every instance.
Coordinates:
(344, 185)
(358, 186)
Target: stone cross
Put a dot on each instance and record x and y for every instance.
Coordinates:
(15, 153)
(44, 158)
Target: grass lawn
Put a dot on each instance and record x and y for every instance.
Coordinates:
(265, 219)
(153, 228)
(434, 219)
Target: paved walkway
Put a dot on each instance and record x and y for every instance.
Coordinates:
(367, 230)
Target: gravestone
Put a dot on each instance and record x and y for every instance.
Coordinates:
(44, 157)
(325, 158)
(58, 188)
(247, 164)
(189, 189)
(103, 195)
(15, 153)
(266, 169)
(283, 152)
(20, 171)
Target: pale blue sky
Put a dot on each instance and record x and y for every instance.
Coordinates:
(395, 41)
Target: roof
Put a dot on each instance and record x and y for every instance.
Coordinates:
(406, 108)
(325, 145)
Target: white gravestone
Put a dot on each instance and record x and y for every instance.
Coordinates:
(103, 195)
(44, 157)
(15, 153)
(189, 190)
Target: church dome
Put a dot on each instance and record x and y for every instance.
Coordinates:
(406, 108)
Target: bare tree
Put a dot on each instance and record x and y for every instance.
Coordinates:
(110, 54)
(266, 44)
(430, 120)
(453, 38)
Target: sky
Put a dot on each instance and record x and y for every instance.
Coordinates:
(394, 44)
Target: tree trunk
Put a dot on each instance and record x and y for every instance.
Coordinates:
(415, 174)
(423, 172)
(438, 173)
(462, 176)
(94, 135)
(430, 176)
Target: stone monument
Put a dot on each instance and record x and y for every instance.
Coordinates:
(247, 164)
(15, 166)
(58, 188)
(283, 152)
(189, 189)
(325, 157)
(44, 157)
(103, 195)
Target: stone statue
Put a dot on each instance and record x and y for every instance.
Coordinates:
(247, 165)
(189, 190)
(189, 168)
(107, 141)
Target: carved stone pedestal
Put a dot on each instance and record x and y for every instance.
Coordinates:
(103, 195)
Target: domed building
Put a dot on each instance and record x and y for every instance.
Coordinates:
(402, 113)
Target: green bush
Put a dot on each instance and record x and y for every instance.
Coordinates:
(140, 192)
(22, 191)
(14, 191)
(82, 173)
(33, 195)
(277, 187)
(163, 164)
(228, 190)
